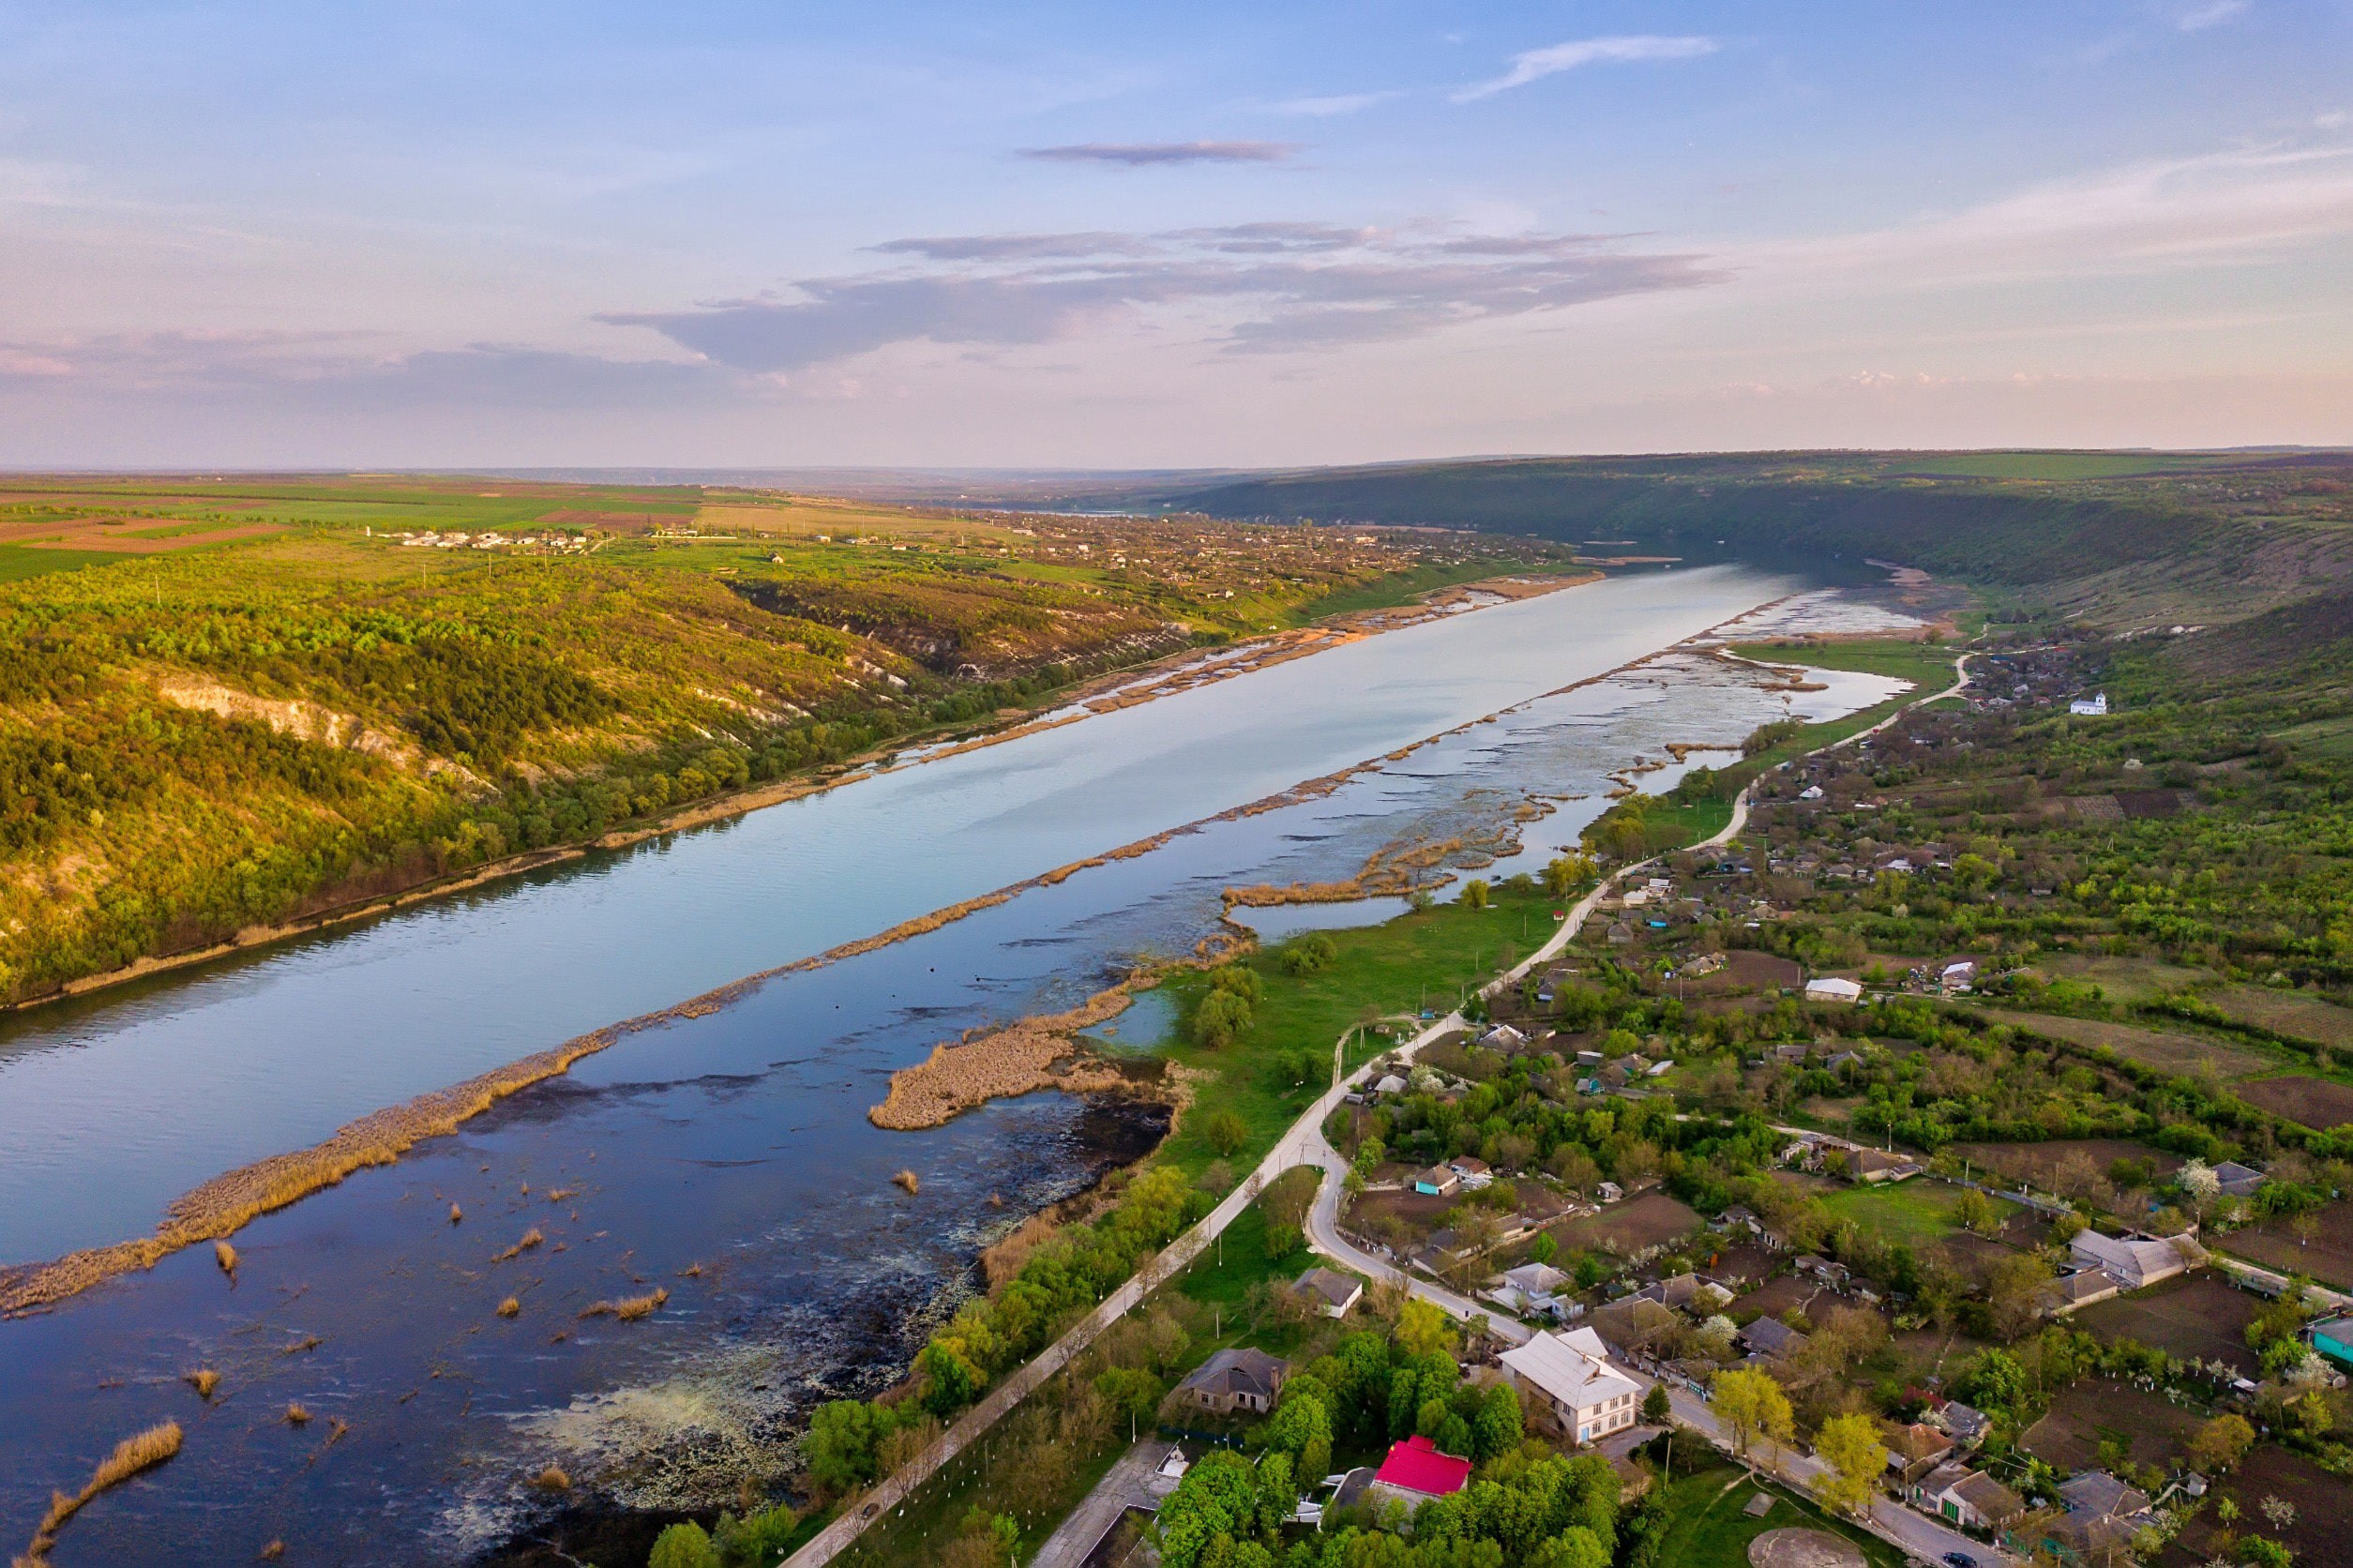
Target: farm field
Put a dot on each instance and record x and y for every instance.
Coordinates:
(2039, 1163)
(2298, 1013)
(2327, 1258)
(2163, 1050)
(2317, 1103)
(1629, 1227)
(2190, 1315)
(2323, 1505)
(2146, 1428)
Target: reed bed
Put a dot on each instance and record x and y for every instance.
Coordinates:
(297, 1415)
(141, 1451)
(226, 1255)
(511, 1307)
(553, 1478)
(910, 1181)
(204, 1381)
(629, 1308)
(530, 1239)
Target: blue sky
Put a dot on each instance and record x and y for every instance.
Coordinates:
(1161, 236)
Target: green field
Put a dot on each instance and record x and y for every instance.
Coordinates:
(1428, 956)
(1913, 1213)
(1928, 666)
(19, 562)
(2050, 465)
(1710, 1531)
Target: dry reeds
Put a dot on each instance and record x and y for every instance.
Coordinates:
(692, 1270)
(629, 1308)
(272, 1552)
(295, 1415)
(531, 1238)
(510, 1308)
(909, 1180)
(204, 1381)
(557, 1195)
(226, 1255)
(304, 1346)
(455, 1213)
(141, 1451)
(553, 1478)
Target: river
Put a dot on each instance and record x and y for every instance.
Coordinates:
(724, 1156)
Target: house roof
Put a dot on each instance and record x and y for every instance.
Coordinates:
(1241, 1370)
(1534, 1276)
(1990, 1496)
(1337, 1288)
(1469, 1165)
(1417, 1466)
(1964, 1418)
(2115, 1252)
(1572, 1368)
(1677, 1292)
(1436, 1176)
(1944, 1477)
(1772, 1337)
(2097, 1493)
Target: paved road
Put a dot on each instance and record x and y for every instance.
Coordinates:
(1133, 1482)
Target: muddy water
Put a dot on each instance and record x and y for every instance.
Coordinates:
(725, 1158)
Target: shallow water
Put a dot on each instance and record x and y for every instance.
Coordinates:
(727, 1158)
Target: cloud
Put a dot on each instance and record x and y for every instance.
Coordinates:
(1251, 288)
(1338, 103)
(2212, 14)
(1007, 248)
(1139, 155)
(1537, 63)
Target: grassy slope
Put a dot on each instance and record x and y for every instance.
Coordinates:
(685, 646)
(1709, 1531)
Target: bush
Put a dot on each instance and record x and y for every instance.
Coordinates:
(683, 1545)
(1307, 954)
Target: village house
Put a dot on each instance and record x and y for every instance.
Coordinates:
(2100, 1518)
(1567, 1381)
(2132, 1263)
(1334, 1293)
(1968, 1498)
(1967, 1424)
(1609, 1192)
(1771, 1338)
(1436, 1182)
(1415, 1471)
(1531, 1287)
(1831, 988)
(1915, 1450)
(1476, 1172)
(1875, 1165)
(2237, 1180)
(1236, 1381)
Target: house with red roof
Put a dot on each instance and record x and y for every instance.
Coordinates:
(1415, 1471)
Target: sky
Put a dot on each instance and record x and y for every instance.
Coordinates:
(1145, 235)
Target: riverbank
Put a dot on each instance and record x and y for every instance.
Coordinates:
(1133, 686)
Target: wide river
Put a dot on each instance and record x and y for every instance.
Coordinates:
(725, 1155)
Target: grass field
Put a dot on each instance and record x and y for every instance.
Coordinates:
(1913, 1213)
(1427, 956)
(18, 562)
(1710, 1531)
(1928, 666)
(2047, 465)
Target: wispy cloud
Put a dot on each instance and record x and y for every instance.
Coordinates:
(1140, 154)
(1250, 288)
(2212, 14)
(1338, 103)
(1536, 63)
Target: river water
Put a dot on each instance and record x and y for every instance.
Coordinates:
(726, 1157)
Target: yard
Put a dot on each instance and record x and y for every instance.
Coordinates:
(2323, 1505)
(1710, 1529)
(2190, 1315)
(2163, 1049)
(1624, 1229)
(2328, 1256)
(1913, 1213)
(2134, 1425)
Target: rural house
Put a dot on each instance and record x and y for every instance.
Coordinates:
(1971, 1498)
(1236, 1380)
(2130, 1264)
(1568, 1382)
(1334, 1293)
(1436, 1182)
(1415, 1471)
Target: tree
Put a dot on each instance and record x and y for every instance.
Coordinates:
(2221, 1443)
(1474, 893)
(1423, 1329)
(1976, 1212)
(1657, 1408)
(2014, 1290)
(1543, 1248)
(1218, 1497)
(1225, 1132)
(1851, 1445)
(1751, 1406)
(1221, 1017)
(1500, 1424)
(682, 1545)
(1575, 1168)
(839, 1447)
(1301, 1427)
